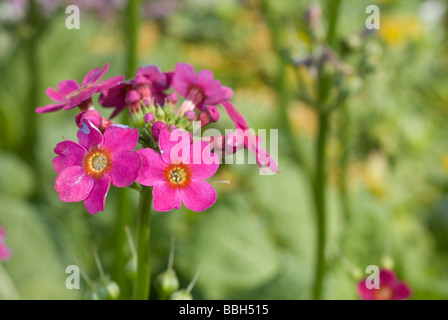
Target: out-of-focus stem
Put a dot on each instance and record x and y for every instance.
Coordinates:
(143, 280)
(132, 25)
(28, 149)
(324, 87)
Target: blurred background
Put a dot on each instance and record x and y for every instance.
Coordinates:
(387, 151)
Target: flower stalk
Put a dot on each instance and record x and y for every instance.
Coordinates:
(143, 280)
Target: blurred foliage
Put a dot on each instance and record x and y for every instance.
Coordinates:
(257, 241)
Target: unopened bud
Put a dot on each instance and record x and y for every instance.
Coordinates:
(156, 128)
(167, 283)
(181, 295)
(131, 268)
(149, 117)
(133, 101)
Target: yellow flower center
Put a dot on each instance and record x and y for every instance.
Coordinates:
(97, 162)
(177, 175)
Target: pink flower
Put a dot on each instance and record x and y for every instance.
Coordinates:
(198, 90)
(389, 288)
(149, 83)
(87, 169)
(70, 94)
(94, 117)
(251, 142)
(5, 253)
(179, 177)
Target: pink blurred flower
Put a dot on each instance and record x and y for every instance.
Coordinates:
(198, 90)
(87, 169)
(70, 94)
(5, 253)
(251, 142)
(390, 288)
(179, 177)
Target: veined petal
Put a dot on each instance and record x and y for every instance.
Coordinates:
(151, 172)
(50, 108)
(70, 154)
(97, 198)
(94, 75)
(198, 196)
(73, 184)
(125, 167)
(118, 138)
(205, 164)
(89, 136)
(166, 198)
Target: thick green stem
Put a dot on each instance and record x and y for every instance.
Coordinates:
(319, 199)
(132, 25)
(28, 149)
(324, 87)
(143, 280)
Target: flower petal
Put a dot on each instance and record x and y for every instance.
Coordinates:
(165, 198)
(125, 167)
(70, 154)
(73, 184)
(108, 83)
(119, 137)
(68, 86)
(151, 172)
(183, 77)
(50, 108)
(198, 196)
(387, 278)
(5, 253)
(203, 163)
(364, 292)
(97, 198)
(178, 138)
(94, 75)
(401, 291)
(237, 118)
(89, 136)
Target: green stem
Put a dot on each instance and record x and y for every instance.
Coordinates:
(143, 280)
(319, 199)
(132, 25)
(32, 57)
(324, 87)
(343, 164)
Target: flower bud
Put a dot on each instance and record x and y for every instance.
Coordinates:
(156, 128)
(172, 98)
(92, 115)
(131, 268)
(113, 290)
(210, 114)
(190, 115)
(166, 284)
(133, 101)
(149, 117)
(181, 295)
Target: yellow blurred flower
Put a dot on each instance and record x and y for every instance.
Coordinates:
(148, 35)
(204, 57)
(398, 30)
(374, 173)
(303, 119)
(445, 162)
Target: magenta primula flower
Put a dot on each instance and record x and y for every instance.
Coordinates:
(70, 94)
(198, 90)
(389, 288)
(251, 142)
(179, 177)
(149, 83)
(87, 169)
(5, 253)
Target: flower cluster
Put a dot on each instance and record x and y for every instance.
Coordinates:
(5, 253)
(170, 161)
(389, 288)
